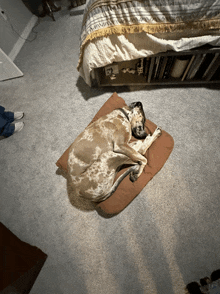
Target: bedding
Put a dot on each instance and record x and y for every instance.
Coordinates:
(119, 30)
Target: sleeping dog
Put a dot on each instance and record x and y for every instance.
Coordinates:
(103, 148)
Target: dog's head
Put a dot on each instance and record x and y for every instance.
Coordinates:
(137, 120)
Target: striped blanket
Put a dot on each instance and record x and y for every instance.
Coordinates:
(106, 17)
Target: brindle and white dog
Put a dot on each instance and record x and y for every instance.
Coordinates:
(103, 147)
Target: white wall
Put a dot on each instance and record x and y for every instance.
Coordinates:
(19, 17)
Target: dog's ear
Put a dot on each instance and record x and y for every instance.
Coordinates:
(136, 104)
(140, 106)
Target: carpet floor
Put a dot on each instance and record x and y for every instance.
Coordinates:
(167, 237)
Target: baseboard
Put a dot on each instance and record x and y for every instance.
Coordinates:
(21, 40)
(77, 10)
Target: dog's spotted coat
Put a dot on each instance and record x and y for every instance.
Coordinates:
(103, 147)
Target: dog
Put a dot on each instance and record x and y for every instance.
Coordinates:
(103, 148)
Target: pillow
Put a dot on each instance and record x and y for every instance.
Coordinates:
(156, 155)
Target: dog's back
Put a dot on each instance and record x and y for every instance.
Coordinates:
(97, 139)
(103, 147)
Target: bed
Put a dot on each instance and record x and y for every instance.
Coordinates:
(120, 30)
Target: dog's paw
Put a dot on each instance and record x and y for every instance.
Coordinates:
(158, 131)
(133, 177)
(135, 173)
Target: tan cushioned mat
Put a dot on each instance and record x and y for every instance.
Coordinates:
(156, 155)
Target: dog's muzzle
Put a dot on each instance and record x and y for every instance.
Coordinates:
(139, 132)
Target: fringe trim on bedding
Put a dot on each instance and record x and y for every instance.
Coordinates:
(147, 28)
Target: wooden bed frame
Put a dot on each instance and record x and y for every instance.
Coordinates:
(196, 66)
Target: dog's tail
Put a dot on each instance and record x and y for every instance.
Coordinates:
(117, 183)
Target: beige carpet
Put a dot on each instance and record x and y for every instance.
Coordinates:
(167, 237)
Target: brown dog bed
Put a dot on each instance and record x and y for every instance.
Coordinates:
(157, 155)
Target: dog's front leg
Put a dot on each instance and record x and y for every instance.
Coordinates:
(149, 140)
(142, 147)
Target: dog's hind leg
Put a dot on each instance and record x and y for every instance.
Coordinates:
(133, 169)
